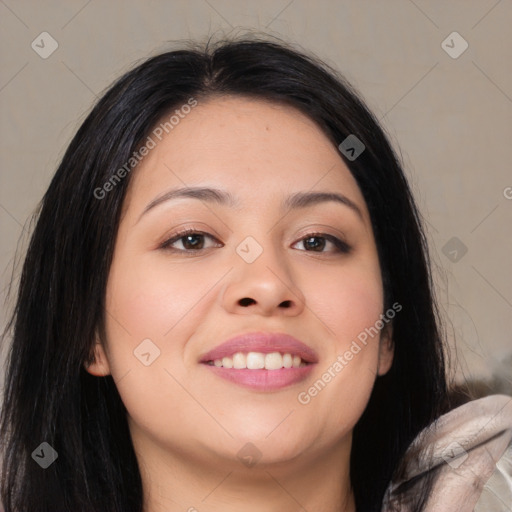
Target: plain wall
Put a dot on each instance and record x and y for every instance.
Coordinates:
(449, 118)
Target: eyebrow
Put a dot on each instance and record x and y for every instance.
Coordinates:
(295, 201)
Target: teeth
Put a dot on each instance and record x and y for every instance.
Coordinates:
(273, 361)
(239, 361)
(226, 362)
(258, 361)
(254, 360)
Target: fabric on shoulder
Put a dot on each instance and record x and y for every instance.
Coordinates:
(468, 453)
(497, 492)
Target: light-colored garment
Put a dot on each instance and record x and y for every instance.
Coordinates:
(470, 451)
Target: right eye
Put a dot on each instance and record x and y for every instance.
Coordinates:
(191, 240)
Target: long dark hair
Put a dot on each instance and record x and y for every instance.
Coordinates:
(49, 397)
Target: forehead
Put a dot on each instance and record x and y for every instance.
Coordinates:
(257, 150)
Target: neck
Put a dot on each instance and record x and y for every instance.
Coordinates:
(178, 482)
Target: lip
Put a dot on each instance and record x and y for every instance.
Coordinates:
(264, 343)
(262, 380)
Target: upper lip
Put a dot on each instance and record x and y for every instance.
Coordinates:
(264, 342)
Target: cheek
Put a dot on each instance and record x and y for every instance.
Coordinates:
(158, 302)
(350, 306)
(149, 299)
(346, 301)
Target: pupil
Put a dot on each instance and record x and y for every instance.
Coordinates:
(320, 244)
(192, 245)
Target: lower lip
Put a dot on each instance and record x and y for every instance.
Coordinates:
(263, 380)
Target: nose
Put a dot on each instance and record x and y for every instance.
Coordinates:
(264, 287)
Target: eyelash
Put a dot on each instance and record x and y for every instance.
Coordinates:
(341, 246)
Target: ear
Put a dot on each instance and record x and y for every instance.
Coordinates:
(99, 367)
(386, 349)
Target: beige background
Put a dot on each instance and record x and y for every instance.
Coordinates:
(451, 117)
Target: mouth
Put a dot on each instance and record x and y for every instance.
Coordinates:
(261, 361)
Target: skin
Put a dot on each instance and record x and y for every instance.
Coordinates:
(187, 424)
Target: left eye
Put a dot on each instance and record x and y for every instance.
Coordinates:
(190, 241)
(316, 242)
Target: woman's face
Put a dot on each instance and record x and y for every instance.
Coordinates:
(257, 264)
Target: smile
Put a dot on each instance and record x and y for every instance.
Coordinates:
(259, 361)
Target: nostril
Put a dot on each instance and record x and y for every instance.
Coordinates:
(286, 303)
(246, 301)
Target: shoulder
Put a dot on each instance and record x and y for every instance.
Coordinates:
(468, 453)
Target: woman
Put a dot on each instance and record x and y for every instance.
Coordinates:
(226, 303)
